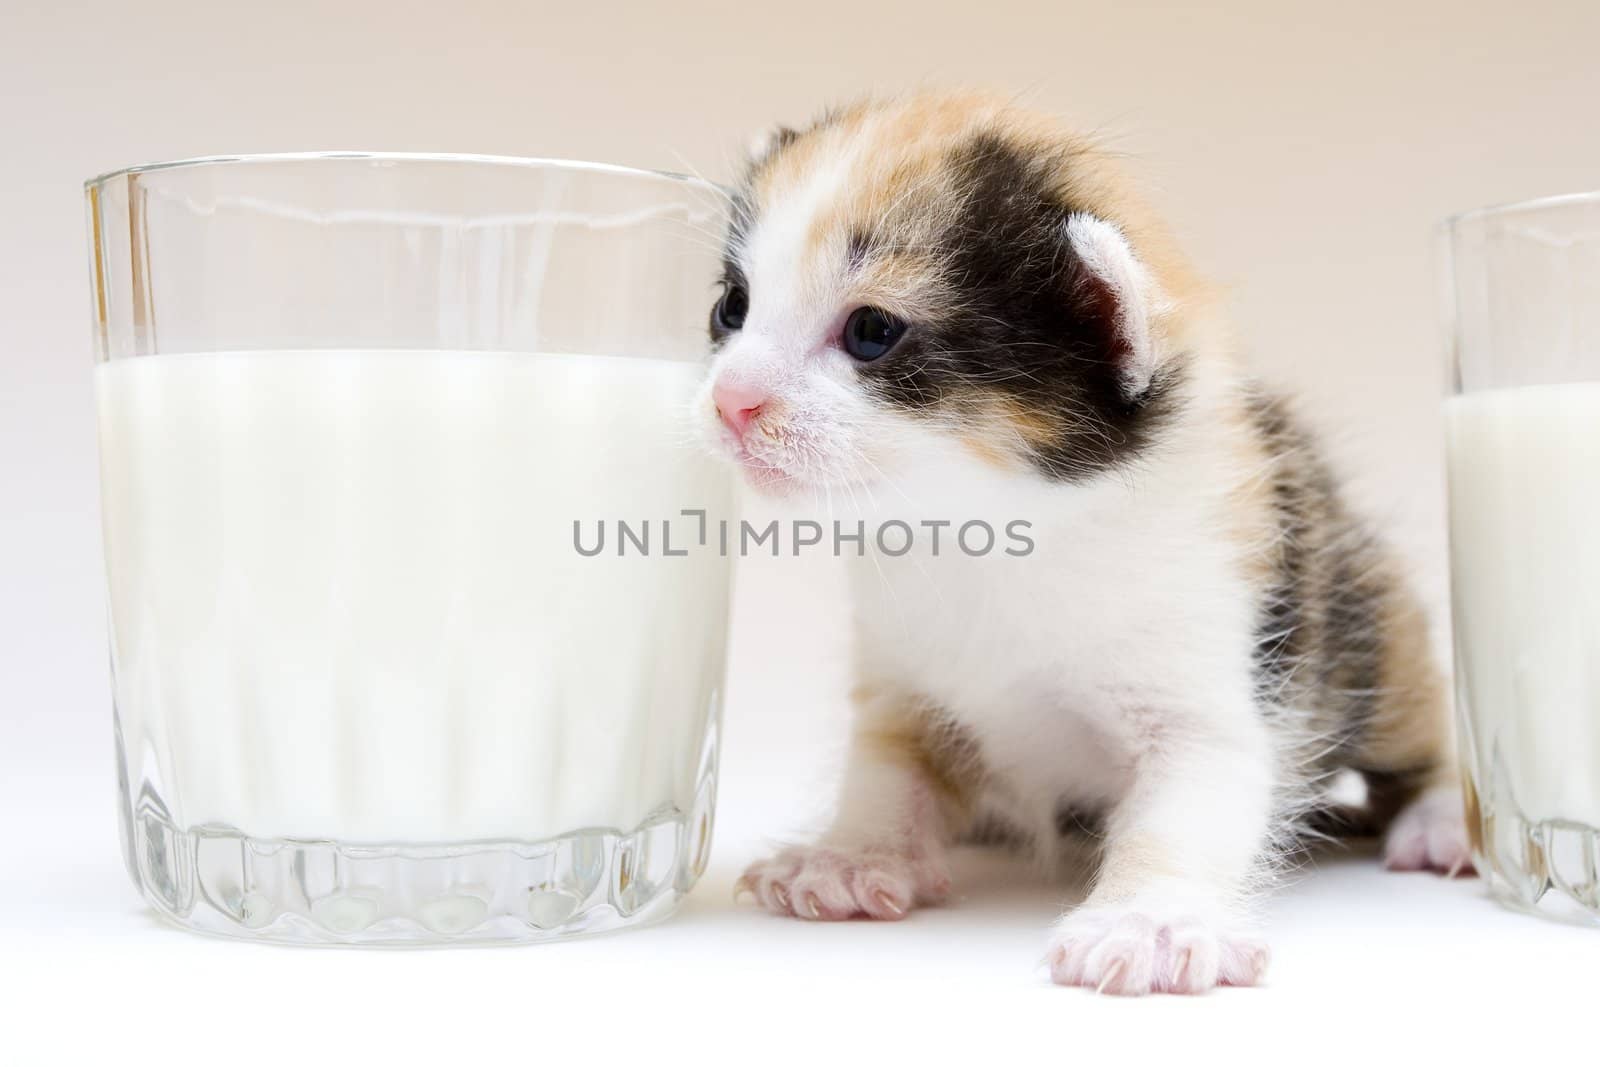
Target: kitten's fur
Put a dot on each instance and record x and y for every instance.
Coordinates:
(1203, 637)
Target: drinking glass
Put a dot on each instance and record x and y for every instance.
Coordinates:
(1523, 446)
(357, 415)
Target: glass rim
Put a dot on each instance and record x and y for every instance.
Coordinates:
(525, 162)
(1513, 207)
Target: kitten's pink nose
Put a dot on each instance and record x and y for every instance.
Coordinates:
(737, 403)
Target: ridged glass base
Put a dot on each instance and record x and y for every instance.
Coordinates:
(1549, 868)
(317, 892)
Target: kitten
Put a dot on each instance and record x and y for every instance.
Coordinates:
(949, 306)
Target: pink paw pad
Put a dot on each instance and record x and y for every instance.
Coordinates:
(1129, 953)
(825, 883)
(1430, 835)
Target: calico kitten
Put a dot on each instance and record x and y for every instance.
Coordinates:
(952, 308)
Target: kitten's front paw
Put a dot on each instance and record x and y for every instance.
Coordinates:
(1430, 835)
(1133, 951)
(824, 882)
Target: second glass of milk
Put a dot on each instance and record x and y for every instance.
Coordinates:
(357, 415)
(1523, 445)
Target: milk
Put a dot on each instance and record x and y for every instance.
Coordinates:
(1525, 558)
(346, 604)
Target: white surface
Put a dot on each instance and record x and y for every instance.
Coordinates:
(311, 547)
(1366, 963)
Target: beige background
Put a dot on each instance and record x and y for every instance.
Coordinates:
(1305, 151)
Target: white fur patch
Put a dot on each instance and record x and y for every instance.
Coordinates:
(820, 428)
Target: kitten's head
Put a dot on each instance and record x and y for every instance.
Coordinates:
(936, 274)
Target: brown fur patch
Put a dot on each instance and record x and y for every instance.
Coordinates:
(910, 733)
(1412, 724)
(1001, 425)
(988, 453)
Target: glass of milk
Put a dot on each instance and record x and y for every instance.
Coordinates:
(357, 414)
(1523, 442)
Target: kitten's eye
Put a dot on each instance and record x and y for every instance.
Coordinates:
(727, 314)
(870, 333)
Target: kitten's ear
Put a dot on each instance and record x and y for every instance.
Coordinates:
(1117, 289)
(769, 141)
